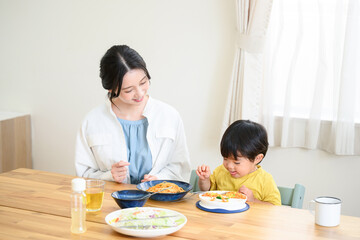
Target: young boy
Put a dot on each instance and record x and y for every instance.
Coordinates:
(243, 146)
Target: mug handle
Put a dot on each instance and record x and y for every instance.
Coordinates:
(311, 206)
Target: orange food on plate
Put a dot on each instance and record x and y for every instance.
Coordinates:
(224, 196)
(172, 188)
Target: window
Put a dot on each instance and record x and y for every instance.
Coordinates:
(311, 75)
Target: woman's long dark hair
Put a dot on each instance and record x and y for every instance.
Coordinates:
(116, 62)
(246, 138)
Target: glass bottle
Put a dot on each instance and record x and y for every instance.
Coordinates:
(78, 206)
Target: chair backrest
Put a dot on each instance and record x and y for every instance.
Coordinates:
(293, 197)
(194, 179)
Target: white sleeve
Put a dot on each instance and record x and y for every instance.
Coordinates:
(178, 167)
(85, 163)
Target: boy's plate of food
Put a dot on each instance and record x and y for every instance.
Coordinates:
(222, 202)
(145, 221)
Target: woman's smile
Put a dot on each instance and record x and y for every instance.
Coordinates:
(139, 100)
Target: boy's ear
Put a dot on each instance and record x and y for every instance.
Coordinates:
(259, 158)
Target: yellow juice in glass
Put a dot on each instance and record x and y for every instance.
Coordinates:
(94, 199)
(94, 194)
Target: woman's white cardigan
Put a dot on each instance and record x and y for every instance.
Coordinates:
(101, 143)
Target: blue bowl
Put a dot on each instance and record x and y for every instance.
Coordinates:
(130, 198)
(144, 186)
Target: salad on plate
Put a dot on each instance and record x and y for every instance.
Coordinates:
(146, 221)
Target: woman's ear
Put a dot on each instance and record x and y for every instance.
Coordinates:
(111, 93)
(259, 158)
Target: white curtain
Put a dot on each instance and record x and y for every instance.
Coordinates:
(252, 21)
(311, 77)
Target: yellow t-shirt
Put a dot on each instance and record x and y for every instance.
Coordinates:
(260, 182)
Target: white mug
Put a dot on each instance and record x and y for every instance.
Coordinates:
(327, 211)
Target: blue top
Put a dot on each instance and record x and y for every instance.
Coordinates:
(139, 154)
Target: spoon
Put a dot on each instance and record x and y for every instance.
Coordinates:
(152, 193)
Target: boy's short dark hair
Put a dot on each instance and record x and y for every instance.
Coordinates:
(244, 138)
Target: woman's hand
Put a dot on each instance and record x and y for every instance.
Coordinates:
(148, 177)
(119, 170)
(203, 172)
(248, 193)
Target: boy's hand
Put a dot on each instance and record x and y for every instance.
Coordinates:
(203, 172)
(119, 170)
(248, 193)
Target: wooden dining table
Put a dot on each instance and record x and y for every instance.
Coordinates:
(36, 205)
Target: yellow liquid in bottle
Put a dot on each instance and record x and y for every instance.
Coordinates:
(94, 200)
(78, 224)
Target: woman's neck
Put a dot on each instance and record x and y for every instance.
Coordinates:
(128, 111)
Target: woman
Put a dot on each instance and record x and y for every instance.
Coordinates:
(133, 137)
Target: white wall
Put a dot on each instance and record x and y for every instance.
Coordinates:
(321, 173)
(50, 54)
(49, 59)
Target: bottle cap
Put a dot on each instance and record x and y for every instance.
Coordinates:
(78, 185)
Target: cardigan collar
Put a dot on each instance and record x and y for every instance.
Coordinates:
(146, 112)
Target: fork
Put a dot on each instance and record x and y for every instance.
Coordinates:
(192, 194)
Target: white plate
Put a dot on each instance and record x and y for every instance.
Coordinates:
(109, 219)
(232, 204)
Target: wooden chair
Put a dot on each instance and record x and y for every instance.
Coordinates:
(293, 197)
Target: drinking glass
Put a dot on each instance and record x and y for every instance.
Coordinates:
(94, 194)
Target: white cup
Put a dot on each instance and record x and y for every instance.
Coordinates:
(327, 211)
